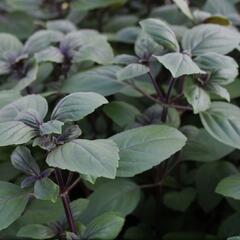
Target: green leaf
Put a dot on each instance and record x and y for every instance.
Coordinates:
(125, 59)
(229, 187)
(64, 26)
(9, 44)
(131, 71)
(23, 160)
(77, 206)
(97, 158)
(223, 8)
(46, 189)
(36, 231)
(41, 40)
(197, 97)
(179, 64)
(13, 202)
(120, 196)
(144, 147)
(14, 133)
(50, 54)
(77, 39)
(30, 76)
(234, 238)
(5, 67)
(76, 106)
(160, 32)
(179, 201)
(223, 69)
(210, 38)
(89, 5)
(222, 121)
(145, 46)
(218, 90)
(183, 5)
(18, 23)
(7, 96)
(106, 226)
(126, 35)
(11, 111)
(121, 113)
(92, 52)
(102, 80)
(229, 226)
(53, 126)
(209, 175)
(202, 147)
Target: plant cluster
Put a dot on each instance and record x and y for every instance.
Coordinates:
(119, 119)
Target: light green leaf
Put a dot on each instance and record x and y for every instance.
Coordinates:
(76, 106)
(179, 201)
(5, 67)
(106, 226)
(121, 113)
(223, 8)
(75, 40)
(9, 44)
(219, 90)
(183, 5)
(53, 126)
(7, 96)
(234, 238)
(131, 71)
(102, 80)
(41, 40)
(92, 52)
(50, 54)
(89, 5)
(222, 121)
(46, 189)
(210, 38)
(144, 147)
(197, 97)
(12, 201)
(223, 69)
(11, 111)
(202, 147)
(36, 231)
(229, 187)
(14, 133)
(121, 196)
(145, 46)
(179, 64)
(125, 59)
(97, 158)
(22, 159)
(160, 32)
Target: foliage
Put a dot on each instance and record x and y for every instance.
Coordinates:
(119, 119)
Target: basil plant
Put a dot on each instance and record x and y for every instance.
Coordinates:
(119, 119)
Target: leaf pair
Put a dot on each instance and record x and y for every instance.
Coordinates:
(44, 188)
